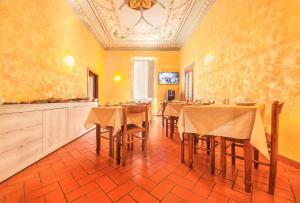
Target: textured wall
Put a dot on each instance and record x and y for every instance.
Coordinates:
(35, 35)
(257, 55)
(121, 62)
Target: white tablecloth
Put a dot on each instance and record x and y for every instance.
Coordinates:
(240, 122)
(173, 109)
(112, 117)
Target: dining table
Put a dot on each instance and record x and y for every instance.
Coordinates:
(226, 121)
(172, 111)
(111, 118)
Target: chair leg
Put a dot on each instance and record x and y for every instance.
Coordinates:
(118, 141)
(273, 164)
(98, 138)
(195, 144)
(111, 142)
(248, 165)
(191, 146)
(128, 144)
(146, 140)
(162, 121)
(256, 157)
(182, 148)
(131, 144)
(124, 149)
(232, 153)
(223, 156)
(167, 127)
(208, 146)
(272, 177)
(172, 127)
(212, 155)
(143, 141)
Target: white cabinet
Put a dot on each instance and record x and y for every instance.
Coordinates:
(20, 141)
(13, 121)
(77, 118)
(55, 129)
(31, 131)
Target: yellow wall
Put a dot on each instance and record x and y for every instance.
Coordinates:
(257, 55)
(35, 35)
(120, 62)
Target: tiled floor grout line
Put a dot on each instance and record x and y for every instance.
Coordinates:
(292, 191)
(62, 192)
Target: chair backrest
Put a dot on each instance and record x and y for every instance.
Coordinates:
(276, 110)
(140, 108)
(164, 107)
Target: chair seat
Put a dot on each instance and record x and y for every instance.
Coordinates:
(131, 129)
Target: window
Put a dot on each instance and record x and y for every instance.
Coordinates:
(143, 71)
(188, 83)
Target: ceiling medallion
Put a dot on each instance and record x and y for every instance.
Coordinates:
(141, 5)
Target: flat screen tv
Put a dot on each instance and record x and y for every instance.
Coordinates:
(168, 78)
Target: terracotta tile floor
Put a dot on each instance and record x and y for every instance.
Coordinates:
(75, 173)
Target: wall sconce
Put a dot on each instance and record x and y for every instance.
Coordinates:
(69, 61)
(208, 59)
(117, 78)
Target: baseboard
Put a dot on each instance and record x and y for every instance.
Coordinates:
(289, 161)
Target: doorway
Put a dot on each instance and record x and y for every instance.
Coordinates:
(143, 85)
(92, 84)
(189, 83)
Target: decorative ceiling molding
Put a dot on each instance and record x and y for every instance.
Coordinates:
(141, 24)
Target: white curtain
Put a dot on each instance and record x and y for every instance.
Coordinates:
(143, 79)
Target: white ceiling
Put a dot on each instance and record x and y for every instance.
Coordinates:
(166, 25)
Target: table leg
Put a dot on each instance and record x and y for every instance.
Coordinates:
(223, 156)
(182, 148)
(191, 146)
(172, 126)
(98, 138)
(248, 165)
(111, 141)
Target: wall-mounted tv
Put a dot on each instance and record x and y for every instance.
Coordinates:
(168, 78)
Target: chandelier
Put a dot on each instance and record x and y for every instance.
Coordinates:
(141, 5)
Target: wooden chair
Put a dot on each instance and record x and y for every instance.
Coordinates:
(193, 140)
(170, 122)
(272, 141)
(130, 132)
